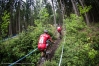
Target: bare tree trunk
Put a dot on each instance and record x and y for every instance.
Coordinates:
(19, 16)
(62, 10)
(86, 15)
(16, 24)
(54, 12)
(31, 17)
(19, 21)
(10, 24)
(10, 27)
(75, 7)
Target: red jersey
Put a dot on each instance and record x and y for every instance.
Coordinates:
(59, 29)
(42, 41)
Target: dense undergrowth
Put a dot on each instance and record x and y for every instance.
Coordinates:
(14, 49)
(81, 44)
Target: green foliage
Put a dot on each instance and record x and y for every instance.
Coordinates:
(17, 48)
(78, 44)
(85, 9)
(92, 53)
(43, 15)
(48, 63)
(74, 23)
(24, 43)
(5, 23)
(95, 41)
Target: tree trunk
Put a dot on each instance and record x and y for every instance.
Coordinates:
(10, 27)
(62, 10)
(10, 24)
(19, 16)
(86, 15)
(16, 23)
(53, 8)
(75, 7)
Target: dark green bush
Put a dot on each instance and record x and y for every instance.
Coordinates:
(80, 44)
(25, 42)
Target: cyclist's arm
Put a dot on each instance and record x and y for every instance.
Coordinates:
(51, 40)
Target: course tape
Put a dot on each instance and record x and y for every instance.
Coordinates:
(61, 56)
(61, 53)
(22, 57)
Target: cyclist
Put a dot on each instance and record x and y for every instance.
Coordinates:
(43, 42)
(59, 29)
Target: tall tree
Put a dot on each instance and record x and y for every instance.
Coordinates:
(86, 14)
(19, 16)
(62, 10)
(10, 24)
(54, 12)
(75, 7)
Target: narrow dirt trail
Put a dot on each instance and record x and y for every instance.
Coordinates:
(52, 50)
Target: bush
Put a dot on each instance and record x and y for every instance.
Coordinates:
(21, 45)
(78, 44)
(48, 63)
(25, 42)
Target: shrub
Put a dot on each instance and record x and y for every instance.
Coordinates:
(78, 45)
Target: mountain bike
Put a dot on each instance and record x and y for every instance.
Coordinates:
(47, 54)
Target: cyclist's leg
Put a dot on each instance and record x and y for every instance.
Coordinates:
(43, 53)
(43, 57)
(47, 47)
(60, 35)
(48, 53)
(48, 44)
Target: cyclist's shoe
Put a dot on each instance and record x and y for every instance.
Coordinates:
(43, 59)
(53, 42)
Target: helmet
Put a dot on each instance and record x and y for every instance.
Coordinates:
(45, 31)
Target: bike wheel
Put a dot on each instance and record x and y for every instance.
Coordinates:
(48, 53)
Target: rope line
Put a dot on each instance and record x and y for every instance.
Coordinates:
(23, 57)
(62, 53)
(61, 56)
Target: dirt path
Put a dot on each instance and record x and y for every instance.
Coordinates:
(52, 50)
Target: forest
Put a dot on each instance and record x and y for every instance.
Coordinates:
(21, 24)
